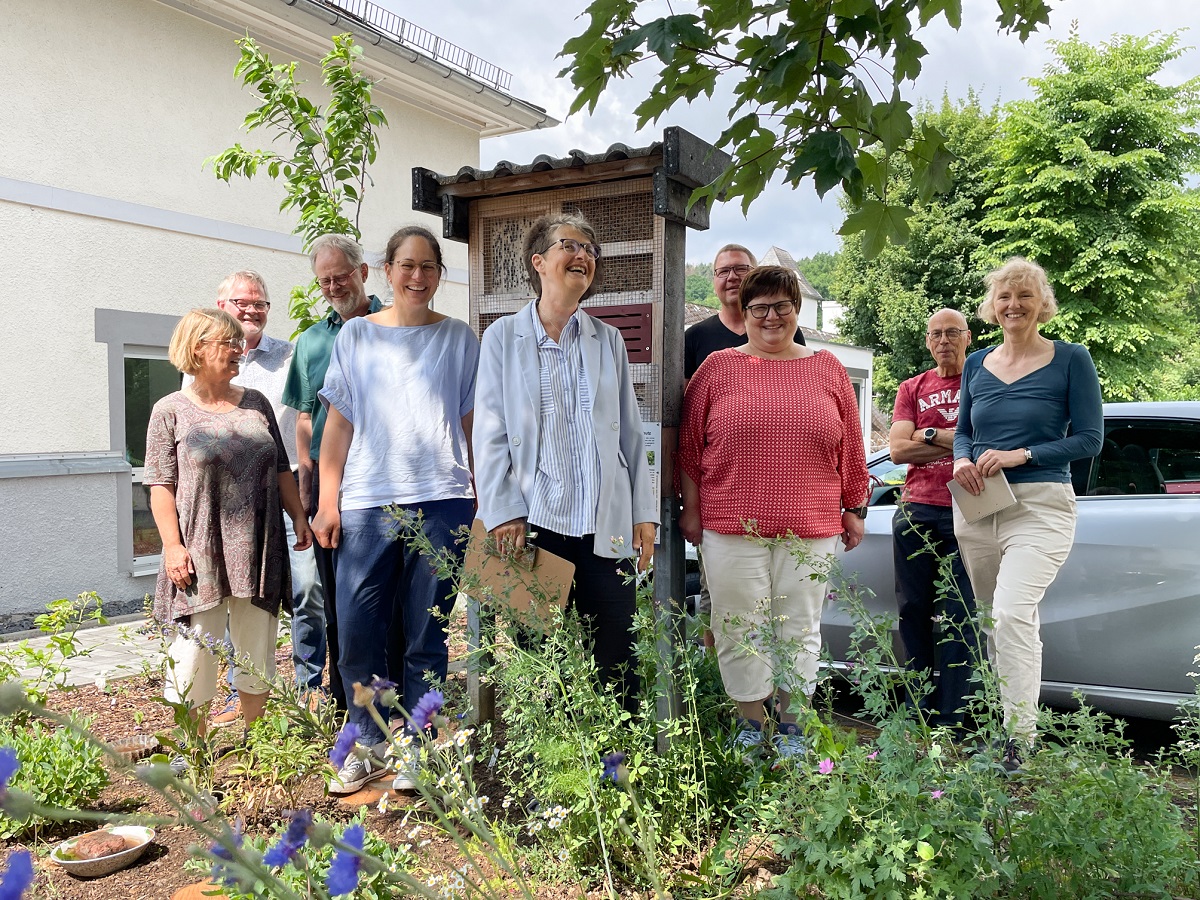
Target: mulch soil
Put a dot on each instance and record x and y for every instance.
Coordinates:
(127, 709)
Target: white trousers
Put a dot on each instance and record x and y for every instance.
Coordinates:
(1012, 557)
(766, 612)
(192, 667)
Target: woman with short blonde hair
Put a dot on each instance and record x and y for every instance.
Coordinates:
(1018, 402)
(217, 471)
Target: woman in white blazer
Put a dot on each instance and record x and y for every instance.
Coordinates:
(558, 441)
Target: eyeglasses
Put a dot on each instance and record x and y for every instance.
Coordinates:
(247, 305)
(235, 344)
(572, 247)
(760, 310)
(950, 334)
(726, 271)
(336, 280)
(408, 268)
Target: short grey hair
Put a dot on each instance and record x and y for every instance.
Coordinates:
(735, 248)
(347, 246)
(225, 288)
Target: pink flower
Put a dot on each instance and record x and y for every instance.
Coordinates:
(825, 766)
(936, 795)
(872, 754)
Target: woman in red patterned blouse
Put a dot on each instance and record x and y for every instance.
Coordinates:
(770, 450)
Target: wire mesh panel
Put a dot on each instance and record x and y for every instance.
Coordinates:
(629, 273)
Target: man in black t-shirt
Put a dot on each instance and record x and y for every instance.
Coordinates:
(726, 328)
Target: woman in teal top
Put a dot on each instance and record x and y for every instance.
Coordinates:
(1018, 402)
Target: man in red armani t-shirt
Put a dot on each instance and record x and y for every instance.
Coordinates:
(922, 435)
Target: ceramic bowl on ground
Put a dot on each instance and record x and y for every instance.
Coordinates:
(137, 839)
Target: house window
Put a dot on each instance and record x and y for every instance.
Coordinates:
(148, 378)
(139, 375)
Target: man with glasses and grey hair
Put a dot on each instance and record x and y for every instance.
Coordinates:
(922, 435)
(337, 262)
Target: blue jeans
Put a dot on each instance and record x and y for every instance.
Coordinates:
(383, 582)
(308, 615)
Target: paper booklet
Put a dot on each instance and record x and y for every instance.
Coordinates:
(995, 496)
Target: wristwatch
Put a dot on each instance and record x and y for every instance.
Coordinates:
(860, 511)
(929, 435)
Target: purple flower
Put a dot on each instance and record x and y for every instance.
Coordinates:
(9, 764)
(427, 707)
(345, 742)
(18, 875)
(222, 856)
(291, 842)
(825, 766)
(612, 766)
(872, 754)
(936, 795)
(343, 871)
(381, 684)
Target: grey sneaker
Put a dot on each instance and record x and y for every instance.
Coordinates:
(407, 775)
(357, 771)
(789, 743)
(748, 739)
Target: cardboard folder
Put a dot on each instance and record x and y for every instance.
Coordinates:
(527, 581)
(996, 495)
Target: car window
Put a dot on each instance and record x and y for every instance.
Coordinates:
(887, 480)
(1147, 457)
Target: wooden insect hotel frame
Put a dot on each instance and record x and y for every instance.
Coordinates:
(637, 200)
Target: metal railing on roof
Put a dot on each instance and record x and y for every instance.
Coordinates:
(405, 32)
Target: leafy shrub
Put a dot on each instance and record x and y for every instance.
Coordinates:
(60, 767)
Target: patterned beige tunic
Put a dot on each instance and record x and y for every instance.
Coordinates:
(225, 469)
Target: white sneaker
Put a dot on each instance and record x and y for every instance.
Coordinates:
(357, 771)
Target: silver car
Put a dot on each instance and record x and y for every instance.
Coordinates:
(1122, 620)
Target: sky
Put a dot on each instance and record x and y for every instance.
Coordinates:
(525, 36)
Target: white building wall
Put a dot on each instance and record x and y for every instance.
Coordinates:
(111, 109)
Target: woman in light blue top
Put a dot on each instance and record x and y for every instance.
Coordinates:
(400, 393)
(1018, 402)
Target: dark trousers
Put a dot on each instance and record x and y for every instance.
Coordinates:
(605, 604)
(938, 630)
(327, 570)
(387, 590)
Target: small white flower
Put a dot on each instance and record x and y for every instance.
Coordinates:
(563, 855)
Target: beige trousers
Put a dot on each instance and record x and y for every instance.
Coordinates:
(766, 613)
(192, 667)
(1012, 557)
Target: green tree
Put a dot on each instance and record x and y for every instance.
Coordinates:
(1091, 185)
(325, 169)
(889, 297)
(699, 289)
(816, 88)
(818, 269)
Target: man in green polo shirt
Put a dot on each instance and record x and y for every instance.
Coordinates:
(337, 261)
